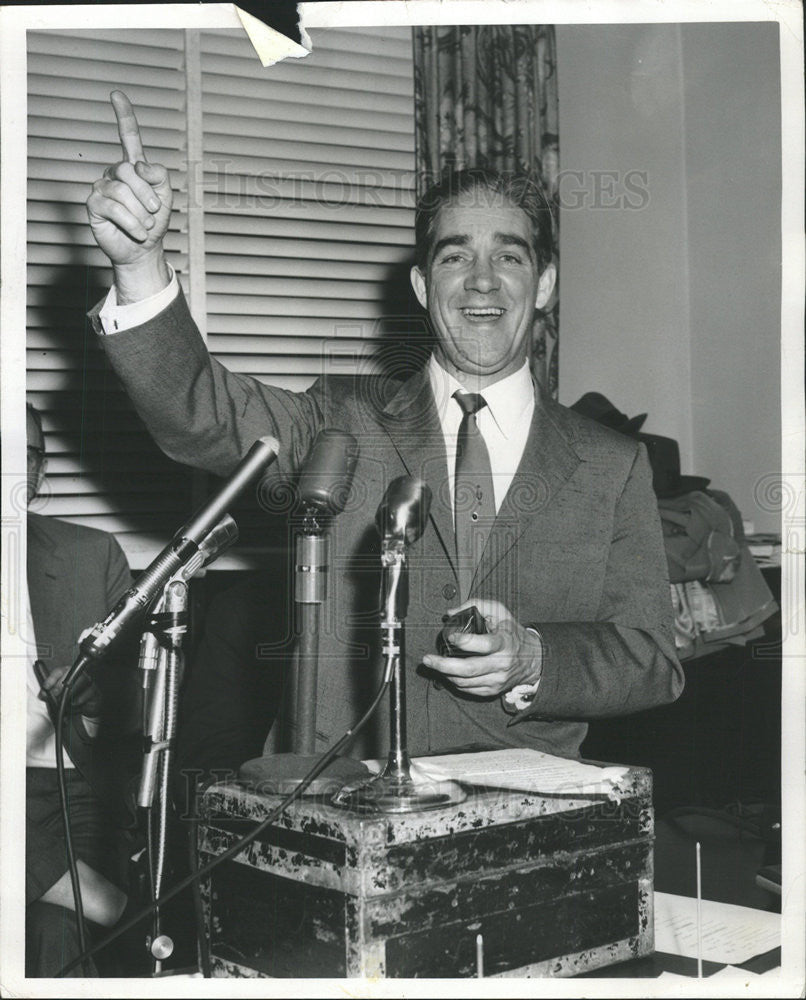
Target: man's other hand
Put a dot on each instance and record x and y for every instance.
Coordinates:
(85, 698)
(129, 210)
(508, 655)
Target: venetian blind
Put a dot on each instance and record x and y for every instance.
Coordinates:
(103, 469)
(306, 195)
(308, 200)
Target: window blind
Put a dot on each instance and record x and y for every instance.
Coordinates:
(308, 200)
(306, 190)
(103, 469)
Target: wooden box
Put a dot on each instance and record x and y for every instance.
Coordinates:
(556, 886)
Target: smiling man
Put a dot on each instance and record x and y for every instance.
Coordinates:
(542, 519)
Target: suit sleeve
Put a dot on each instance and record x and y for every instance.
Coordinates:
(197, 411)
(625, 660)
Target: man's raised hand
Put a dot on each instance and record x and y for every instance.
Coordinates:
(129, 210)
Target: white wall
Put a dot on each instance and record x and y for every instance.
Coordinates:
(669, 278)
(733, 177)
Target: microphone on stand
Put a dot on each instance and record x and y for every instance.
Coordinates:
(403, 513)
(182, 548)
(152, 659)
(323, 489)
(400, 519)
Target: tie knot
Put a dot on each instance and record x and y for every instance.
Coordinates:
(471, 402)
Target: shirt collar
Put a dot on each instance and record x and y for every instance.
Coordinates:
(507, 399)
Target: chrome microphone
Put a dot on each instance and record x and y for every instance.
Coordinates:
(326, 477)
(403, 513)
(401, 519)
(180, 550)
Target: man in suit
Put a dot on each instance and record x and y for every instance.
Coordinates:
(74, 575)
(542, 519)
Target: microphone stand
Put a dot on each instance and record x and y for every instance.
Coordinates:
(394, 790)
(170, 623)
(162, 663)
(310, 593)
(324, 485)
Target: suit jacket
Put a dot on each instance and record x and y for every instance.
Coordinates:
(575, 549)
(75, 576)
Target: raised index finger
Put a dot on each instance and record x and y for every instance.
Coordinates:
(128, 129)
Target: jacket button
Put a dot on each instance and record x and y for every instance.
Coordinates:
(449, 591)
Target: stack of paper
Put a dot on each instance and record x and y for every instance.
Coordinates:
(521, 770)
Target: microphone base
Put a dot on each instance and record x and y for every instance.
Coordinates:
(279, 774)
(392, 794)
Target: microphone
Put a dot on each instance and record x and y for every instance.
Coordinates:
(400, 520)
(403, 512)
(219, 539)
(327, 475)
(324, 486)
(185, 544)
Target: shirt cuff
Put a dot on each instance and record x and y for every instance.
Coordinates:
(115, 318)
(522, 695)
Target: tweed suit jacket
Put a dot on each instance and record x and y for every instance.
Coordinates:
(575, 550)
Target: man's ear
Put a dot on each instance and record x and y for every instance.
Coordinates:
(418, 284)
(545, 285)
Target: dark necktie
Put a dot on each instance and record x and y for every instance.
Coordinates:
(473, 497)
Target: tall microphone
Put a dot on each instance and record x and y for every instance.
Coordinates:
(324, 486)
(327, 475)
(180, 550)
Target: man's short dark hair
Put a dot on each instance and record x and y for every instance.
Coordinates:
(36, 416)
(470, 187)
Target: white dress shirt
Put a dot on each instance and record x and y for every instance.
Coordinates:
(503, 423)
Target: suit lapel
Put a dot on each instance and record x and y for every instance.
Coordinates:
(548, 461)
(410, 419)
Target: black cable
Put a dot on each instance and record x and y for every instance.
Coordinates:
(198, 907)
(149, 820)
(68, 837)
(239, 845)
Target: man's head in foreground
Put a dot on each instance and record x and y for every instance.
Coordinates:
(483, 267)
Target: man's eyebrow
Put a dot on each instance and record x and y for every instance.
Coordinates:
(510, 239)
(448, 241)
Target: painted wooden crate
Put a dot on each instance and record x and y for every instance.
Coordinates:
(555, 886)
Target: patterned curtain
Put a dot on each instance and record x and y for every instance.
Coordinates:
(486, 96)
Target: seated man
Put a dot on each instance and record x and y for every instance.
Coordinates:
(75, 576)
(543, 519)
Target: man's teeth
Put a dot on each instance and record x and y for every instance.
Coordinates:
(487, 311)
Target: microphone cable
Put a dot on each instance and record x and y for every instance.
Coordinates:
(247, 839)
(72, 865)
